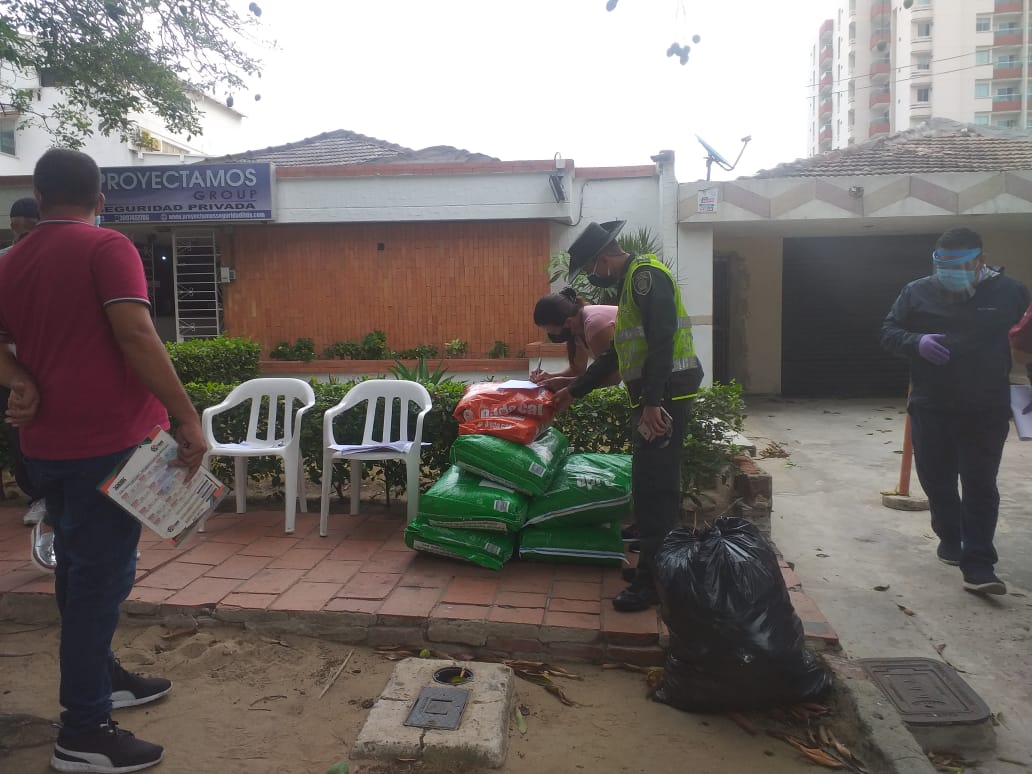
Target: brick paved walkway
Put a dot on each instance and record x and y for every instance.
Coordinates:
(361, 583)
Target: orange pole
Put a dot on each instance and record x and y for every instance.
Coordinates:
(904, 464)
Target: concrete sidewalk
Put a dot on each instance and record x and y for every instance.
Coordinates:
(829, 521)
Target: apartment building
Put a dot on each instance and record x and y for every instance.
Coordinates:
(881, 66)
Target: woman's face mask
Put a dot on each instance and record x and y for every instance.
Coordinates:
(957, 270)
(563, 336)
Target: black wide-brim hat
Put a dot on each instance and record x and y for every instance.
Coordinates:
(595, 238)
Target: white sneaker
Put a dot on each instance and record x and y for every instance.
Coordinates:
(35, 513)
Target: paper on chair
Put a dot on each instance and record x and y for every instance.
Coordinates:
(1021, 396)
(157, 494)
(390, 446)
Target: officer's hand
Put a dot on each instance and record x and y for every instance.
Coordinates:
(562, 400)
(654, 421)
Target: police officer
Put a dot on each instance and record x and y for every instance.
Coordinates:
(655, 355)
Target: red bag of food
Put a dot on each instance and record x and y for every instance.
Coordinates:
(521, 430)
(486, 401)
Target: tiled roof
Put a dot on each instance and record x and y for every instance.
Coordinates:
(344, 148)
(940, 145)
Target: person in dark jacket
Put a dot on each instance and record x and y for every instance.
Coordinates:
(654, 353)
(953, 326)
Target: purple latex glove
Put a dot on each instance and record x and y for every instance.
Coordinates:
(932, 348)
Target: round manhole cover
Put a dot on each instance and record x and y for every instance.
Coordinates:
(453, 675)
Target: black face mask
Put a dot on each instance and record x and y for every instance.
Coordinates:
(561, 338)
(603, 282)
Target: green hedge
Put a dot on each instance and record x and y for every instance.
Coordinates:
(599, 422)
(221, 360)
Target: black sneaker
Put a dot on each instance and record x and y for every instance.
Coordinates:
(634, 598)
(108, 750)
(983, 580)
(948, 553)
(131, 690)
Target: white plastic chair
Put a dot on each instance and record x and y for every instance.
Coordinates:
(407, 448)
(273, 443)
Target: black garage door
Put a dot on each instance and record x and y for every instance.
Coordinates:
(835, 294)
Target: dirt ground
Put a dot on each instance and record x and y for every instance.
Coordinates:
(247, 703)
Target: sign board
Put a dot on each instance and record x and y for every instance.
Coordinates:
(707, 201)
(187, 193)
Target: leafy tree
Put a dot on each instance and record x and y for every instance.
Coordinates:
(113, 58)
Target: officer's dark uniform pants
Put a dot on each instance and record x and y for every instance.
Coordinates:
(966, 445)
(656, 482)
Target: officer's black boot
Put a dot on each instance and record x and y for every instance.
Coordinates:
(640, 595)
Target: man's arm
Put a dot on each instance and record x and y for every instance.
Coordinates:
(895, 338)
(147, 356)
(654, 294)
(600, 370)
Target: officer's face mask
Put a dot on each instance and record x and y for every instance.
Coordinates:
(602, 280)
(957, 270)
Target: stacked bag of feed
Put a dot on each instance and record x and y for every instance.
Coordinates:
(475, 510)
(578, 518)
(563, 507)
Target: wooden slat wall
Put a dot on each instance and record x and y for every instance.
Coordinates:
(431, 283)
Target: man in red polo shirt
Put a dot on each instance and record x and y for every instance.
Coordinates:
(90, 380)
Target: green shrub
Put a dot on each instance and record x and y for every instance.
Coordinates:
(302, 349)
(374, 346)
(425, 351)
(224, 360)
(599, 422)
(420, 373)
(498, 350)
(343, 350)
(455, 348)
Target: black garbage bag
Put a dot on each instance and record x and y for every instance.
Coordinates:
(736, 643)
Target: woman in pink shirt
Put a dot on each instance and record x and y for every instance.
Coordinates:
(586, 329)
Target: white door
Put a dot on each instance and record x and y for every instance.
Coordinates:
(198, 304)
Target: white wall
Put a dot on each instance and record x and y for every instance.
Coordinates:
(634, 199)
(695, 279)
(221, 133)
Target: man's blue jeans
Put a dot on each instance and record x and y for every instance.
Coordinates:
(95, 544)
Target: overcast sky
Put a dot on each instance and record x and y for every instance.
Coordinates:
(526, 79)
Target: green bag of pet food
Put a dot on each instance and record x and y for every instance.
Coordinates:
(590, 489)
(487, 549)
(528, 468)
(461, 499)
(573, 545)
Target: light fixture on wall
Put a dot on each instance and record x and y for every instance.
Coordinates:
(558, 190)
(856, 191)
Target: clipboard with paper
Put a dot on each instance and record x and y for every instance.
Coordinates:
(157, 494)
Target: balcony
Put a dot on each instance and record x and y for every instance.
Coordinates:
(825, 111)
(1008, 36)
(879, 98)
(826, 55)
(827, 29)
(1008, 6)
(825, 134)
(919, 12)
(878, 126)
(880, 71)
(880, 8)
(1007, 70)
(1006, 103)
(826, 82)
(921, 110)
(880, 38)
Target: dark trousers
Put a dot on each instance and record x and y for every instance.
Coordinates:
(967, 446)
(21, 473)
(656, 482)
(95, 545)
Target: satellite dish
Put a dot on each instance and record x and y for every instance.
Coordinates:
(713, 156)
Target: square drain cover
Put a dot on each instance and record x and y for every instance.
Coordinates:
(926, 692)
(439, 708)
